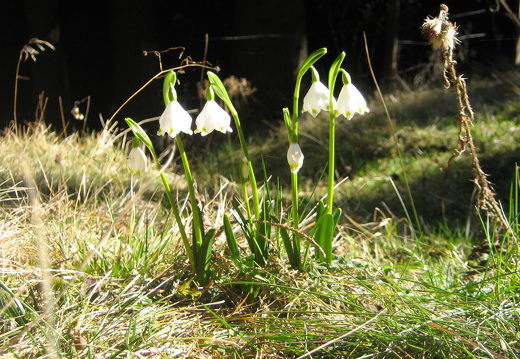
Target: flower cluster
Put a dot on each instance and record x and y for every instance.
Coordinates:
(175, 119)
(350, 100)
(317, 99)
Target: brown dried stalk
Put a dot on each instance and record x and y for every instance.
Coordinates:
(33, 48)
(441, 34)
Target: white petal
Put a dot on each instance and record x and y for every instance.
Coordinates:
(295, 157)
(317, 99)
(212, 117)
(137, 161)
(174, 120)
(350, 101)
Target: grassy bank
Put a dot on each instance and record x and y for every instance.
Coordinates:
(93, 266)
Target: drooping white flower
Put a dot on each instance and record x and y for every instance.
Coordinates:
(174, 120)
(212, 117)
(350, 101)
(317, 99)
(137, 161)
(295, 157)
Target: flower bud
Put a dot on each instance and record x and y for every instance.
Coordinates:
(295, 157)
(137, 161)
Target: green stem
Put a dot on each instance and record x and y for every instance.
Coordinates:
(293, 138)
(307, 64)
(221, 92)
(176, 214)
(197, 223)
(295, 214)
(333, 75)
(243, 144)
(332, 157)
(178, 219)
(143, 137)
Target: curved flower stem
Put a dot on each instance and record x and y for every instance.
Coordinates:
(252, 177)
(307, 64)
(221, 92)
(292, 127)
(178, 219)
(141, 134)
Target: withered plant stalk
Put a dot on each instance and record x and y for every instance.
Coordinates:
(441, 34)
(28, 50)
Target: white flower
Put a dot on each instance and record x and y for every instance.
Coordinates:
(350, 101)
(317, 99)
(137, 161)
(295, 157)
(212, 117)
(174, 120)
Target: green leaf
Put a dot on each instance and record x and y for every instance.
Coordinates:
(140, 133)
(203, 257)
(292, 254)
(323, 234)
(232, 243)
(220, 90)
(218, 86)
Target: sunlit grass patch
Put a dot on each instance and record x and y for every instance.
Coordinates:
(387, 294)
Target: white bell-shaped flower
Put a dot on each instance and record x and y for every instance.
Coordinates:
(174, 120)
(137, 161)
(350, 101)
(317, 99)
(295, 157)
(212, 117)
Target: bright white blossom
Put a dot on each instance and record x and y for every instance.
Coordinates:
(295, 157)
(174, 120)
(350, 101)
(317, 99)
(137, 161)
(212, 117)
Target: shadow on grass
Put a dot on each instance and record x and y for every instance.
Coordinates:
(440, 196)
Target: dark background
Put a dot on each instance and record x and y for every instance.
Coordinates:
(100, 44)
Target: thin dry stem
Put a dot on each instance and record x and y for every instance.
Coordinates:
(27, 51)
(485, 195)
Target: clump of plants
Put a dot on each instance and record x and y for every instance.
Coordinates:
(263, 220)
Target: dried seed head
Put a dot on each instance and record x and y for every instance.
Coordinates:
(440, 33)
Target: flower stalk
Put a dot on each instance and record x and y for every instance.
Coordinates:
(333, 74)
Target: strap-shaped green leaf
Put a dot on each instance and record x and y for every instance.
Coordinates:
(323, 235)
(232, 243)
(141, 134)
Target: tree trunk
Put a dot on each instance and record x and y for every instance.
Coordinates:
(517, 55)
